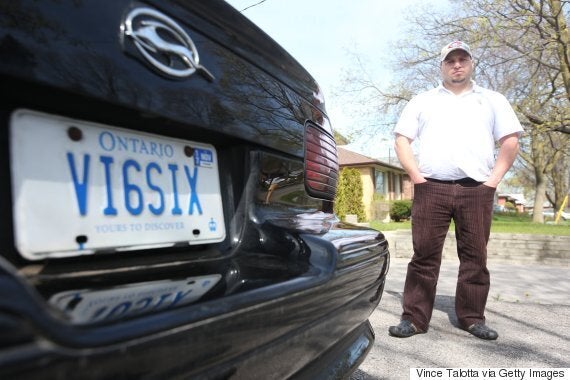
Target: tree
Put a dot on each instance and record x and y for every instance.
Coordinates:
(349, 194)
(340, 138)
(521, 50)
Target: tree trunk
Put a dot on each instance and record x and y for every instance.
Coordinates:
(539, 197)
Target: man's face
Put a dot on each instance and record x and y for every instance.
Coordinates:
(457, 68)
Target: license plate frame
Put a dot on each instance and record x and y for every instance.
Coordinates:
(80, 188)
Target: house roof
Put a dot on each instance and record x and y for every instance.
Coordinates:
(518, 199)
(347, 157)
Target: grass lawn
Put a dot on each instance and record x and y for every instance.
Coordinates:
(502, 223)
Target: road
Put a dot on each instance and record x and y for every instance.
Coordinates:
(529, 305)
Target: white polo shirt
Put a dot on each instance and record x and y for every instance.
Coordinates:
(457, 133)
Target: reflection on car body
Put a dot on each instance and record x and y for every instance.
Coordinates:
(85, 306)
(171, 173)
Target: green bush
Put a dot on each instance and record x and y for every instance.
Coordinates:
(401, 210)
(509, 206)
(349, 195)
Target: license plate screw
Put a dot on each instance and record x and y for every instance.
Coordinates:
(81, 240)
(74, 133)
(188, 151)
(196, 232)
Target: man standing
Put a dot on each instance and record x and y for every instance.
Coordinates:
(457, 126)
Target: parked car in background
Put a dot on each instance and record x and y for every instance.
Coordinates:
(552, 214)
(499, 208)
(169, 176)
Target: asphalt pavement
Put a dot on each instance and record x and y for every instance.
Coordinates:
(528, 304)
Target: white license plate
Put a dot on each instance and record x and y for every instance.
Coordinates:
(90, 306)
(80, 187)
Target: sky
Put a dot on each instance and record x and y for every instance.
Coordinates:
(319, 34)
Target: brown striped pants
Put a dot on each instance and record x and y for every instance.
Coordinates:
(435, 205)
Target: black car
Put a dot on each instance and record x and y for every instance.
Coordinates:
(168, 177)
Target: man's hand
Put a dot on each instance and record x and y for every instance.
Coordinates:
(403, 148)
(507, 154)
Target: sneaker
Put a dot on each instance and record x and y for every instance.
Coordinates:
(404, 330)
(481, 331)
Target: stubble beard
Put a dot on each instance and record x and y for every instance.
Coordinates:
(459, 80)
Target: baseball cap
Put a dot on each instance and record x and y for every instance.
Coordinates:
(455, 45)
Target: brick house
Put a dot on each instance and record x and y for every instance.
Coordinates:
(382, 182)
(516, 199)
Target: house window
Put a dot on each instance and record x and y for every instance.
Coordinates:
(380, 182)
(397, 187)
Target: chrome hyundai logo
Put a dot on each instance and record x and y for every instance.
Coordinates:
(163, 43)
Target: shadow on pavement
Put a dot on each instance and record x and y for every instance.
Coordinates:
(530, 336)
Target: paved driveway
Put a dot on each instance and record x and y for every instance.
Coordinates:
(528, 305)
